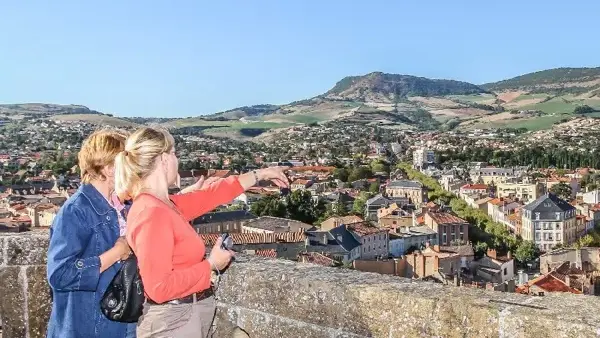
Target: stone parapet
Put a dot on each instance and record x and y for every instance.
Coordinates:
(25, 300)
(278, 298)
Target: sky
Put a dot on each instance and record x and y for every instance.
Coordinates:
(192, 57)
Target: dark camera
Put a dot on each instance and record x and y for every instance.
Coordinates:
(227, 243)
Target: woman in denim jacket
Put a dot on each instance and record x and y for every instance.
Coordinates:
(86, 247)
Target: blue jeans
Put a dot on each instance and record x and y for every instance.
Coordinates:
(131, 328)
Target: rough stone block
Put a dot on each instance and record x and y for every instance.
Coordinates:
(39, 301)
(372, 305)
(26, 249)
(2, 249)
(12, 302)
(25, 303)
(265, 325)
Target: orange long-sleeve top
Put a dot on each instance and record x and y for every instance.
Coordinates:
(171, 255)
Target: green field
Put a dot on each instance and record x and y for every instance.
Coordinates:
(293, 118)
(561, 105)
(477, 98)
(530, 96)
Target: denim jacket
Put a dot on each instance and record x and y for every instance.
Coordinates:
(85, 227)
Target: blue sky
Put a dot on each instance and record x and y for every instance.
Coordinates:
(187, 58)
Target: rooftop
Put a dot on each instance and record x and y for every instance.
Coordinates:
(276, 224)
(549, 203)
(445, 218)
(405, 184)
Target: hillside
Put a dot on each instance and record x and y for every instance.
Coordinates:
(382, 87)
(42, 110)
(556, 81)
(398, 101)
(97, 119)
(534, 101)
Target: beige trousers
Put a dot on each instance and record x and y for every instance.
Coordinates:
(192, 320)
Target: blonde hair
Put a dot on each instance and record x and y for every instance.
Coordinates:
(138, 159)
(98, 151)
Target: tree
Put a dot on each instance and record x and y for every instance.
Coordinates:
(374, 187)
(587, 240)
(562, 190)
(359, 173)
(269, 206)
(301, 207)
(582, 110)
(379, 166)
(526, 252)
(341, 174)
(358, 208)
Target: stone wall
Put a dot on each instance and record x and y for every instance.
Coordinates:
(278, 298)
(24, 294)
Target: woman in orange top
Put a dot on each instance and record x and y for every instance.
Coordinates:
(171, 256)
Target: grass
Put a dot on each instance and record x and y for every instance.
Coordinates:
(555, 106)
(473, 98)
(530, 96)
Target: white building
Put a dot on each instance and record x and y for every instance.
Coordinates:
(423, 156)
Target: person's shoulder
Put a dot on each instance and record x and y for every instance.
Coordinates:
(146, 205)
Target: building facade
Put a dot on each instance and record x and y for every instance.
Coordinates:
(450, 228)
(423, 157)
(549, 221)
(526, 192)
(413, 190)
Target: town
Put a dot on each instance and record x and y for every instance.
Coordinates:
(497, 209)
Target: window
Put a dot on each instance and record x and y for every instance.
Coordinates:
(558, 216)
(505, 271)
(537, 216)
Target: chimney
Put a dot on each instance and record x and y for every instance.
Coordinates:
(568, 280)
(491, 253)
(509, 255)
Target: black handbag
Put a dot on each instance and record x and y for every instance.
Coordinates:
(124, 298)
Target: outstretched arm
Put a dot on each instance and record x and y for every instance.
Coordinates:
(197, 203)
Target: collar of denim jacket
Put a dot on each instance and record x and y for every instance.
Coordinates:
(98, 202)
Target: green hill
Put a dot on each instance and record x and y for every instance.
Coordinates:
(552, 81)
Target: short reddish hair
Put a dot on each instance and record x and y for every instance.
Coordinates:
(99, 151)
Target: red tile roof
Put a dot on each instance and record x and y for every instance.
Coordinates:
(270, 253)
(258, 238)
(549, 283)
(221, 173)
(314, 169)
(300, 182)
(445, 218)
(364, 229)
(316, 258)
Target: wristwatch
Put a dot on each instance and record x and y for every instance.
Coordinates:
(256, 180)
